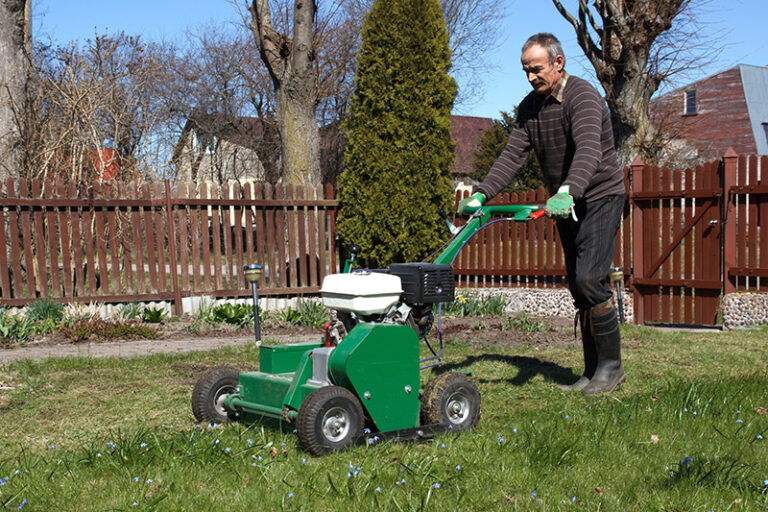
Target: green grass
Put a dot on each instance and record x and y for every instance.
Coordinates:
(88, 434)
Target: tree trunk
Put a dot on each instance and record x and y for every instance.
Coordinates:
(13, 85)
(628, 95)
(291, 64)
(299, 136)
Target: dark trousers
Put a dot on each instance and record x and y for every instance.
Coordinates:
(588, 246)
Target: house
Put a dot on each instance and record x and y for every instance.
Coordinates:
(466, 132)
(219, 149)
(700, 121)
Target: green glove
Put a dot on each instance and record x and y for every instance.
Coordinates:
(560, 205)
(470, 204)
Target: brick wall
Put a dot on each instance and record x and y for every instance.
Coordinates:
(721, 121)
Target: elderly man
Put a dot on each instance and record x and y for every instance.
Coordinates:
(566, 122)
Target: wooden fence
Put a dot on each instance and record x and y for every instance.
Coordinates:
(687, 237)
(118, 242)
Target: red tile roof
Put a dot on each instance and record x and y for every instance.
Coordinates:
(466, 132)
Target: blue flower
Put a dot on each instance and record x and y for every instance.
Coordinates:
(458, 468)
(436, 485)
(149, 481)
(500, 439)
(16, 472)
(216, 442)
(378, 489)
(249, 441)
(134, 504)
(23, 502)
(111, 446)
(566, 416)
(198, 427)
(259, 458)
(514, 431)
(136, 479)
(533, 494)
(303, 460)
(758, 436)
(450, 427)
(401, 482)
(765, 483)
(370, 441)
(695, 413)
(290, 495)
(227, 449)
(98, 454)
(282, 445)
(687, 460)
(143, 445)
(738, 412)
(573, 499)
(52, 447)
(349, 475)
(738, 420)
(295, 431)
(685, 409)
(366, 430)
(442, 445)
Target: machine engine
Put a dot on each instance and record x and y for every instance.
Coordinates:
(402, 294)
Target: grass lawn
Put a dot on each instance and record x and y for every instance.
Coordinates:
(687, 432)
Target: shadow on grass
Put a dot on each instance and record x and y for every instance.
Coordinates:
(529, 367)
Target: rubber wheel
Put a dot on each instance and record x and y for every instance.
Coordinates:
(329, 419)
(451, 399)
(207, 403)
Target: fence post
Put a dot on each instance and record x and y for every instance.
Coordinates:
(638, 242)
(728, 219)
(174, 274)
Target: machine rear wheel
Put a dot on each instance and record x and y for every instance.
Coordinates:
(209, 393)
(329, 419)
(451, 399)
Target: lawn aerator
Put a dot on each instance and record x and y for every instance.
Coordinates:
(365, 370)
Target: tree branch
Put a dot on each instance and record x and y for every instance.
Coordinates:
(268, 40)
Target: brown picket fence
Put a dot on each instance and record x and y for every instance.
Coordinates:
(122, 242)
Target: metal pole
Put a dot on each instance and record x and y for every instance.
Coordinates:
(617, 278)
(256, 322)
(252, 274)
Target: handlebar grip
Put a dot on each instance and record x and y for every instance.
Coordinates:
(537, 214)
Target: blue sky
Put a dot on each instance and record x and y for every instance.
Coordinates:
(741, 22)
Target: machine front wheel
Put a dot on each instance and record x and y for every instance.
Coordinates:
(329, 419)
(451, 399)
(210, 392)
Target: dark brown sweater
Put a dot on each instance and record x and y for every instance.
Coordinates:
(573, 140)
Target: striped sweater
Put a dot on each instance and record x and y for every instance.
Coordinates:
(572, 135)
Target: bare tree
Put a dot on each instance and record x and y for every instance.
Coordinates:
(14, 33)
(633, 46)
(292, 65)
(106, 95)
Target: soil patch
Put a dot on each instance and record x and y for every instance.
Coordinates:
(184, 336)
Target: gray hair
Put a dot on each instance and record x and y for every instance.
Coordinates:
(548, 42)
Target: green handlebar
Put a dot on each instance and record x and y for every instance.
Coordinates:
(480, 217)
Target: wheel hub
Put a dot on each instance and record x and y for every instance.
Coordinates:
(335, 424)
(220, 399)
(457, 408)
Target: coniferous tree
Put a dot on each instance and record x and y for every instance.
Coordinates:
(399, 148)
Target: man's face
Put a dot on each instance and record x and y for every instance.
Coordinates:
(542, 75)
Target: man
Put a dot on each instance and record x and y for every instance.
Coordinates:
(566, 122)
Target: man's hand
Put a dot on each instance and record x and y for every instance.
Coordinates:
(473, 202)
(560, 205)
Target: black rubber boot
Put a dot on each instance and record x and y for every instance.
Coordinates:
(590, 353)
(610, 372)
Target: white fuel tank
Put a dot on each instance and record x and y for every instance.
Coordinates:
(362, 292)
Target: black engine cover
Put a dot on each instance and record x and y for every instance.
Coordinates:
(425, 283)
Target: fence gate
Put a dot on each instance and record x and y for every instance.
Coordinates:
(676, 244)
